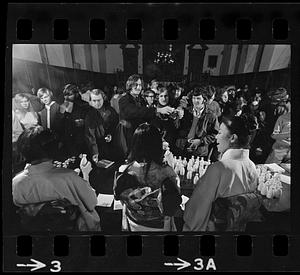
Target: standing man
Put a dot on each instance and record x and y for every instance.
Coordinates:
(100, 126)
(133, 113)
(74, 110)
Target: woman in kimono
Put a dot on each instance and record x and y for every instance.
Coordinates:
(232, 175)
(147, 187)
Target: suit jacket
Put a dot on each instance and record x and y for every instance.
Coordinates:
(56, 118)
(131, 110)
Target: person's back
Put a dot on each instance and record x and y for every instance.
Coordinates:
(43, 182)
(40, 181)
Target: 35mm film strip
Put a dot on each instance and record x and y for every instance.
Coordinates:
(101, 45)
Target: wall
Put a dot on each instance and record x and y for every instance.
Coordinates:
(29, 52)
(213, 50)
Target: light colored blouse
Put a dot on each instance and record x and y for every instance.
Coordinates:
(234, 174)
(44, 182)
(19, 123)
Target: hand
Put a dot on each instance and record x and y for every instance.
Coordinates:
(165, 110)
(194, 144)
(108, 138)
(95, 158)
(183, 102)
(180, 113)
(86, 169)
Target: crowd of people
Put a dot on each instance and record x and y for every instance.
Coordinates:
(226, 125)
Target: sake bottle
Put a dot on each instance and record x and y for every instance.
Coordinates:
(196, 178)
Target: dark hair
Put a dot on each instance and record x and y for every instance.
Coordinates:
(131, 82)
(199, 90)
(36, 143)
(149, 91)
(147, 145)
(243, 126)
(210, 91)
(71, 88)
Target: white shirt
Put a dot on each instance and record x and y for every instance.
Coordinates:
(48, 107)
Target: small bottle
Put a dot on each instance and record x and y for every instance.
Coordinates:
(84, 160)
(201, 167)
(196, 178)
(184, 162)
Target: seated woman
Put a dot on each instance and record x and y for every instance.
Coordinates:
(24, 116)
(167, 124)
(233, 174)
(100, 125)
(40, 181)
(147, 187)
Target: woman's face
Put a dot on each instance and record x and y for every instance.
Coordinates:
(150, 98)
(137, 88)
(163, 98)
(24, 103)
(223, 138)
(224, 97)
(46, 99)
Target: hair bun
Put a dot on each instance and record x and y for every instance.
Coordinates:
(250, 123)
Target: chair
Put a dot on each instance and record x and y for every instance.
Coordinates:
(50, 216)
(233, 213)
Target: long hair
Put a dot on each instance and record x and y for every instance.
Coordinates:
(131, 82)
(147, 146)
(18, 109)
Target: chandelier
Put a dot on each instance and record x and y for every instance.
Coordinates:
(165, 57)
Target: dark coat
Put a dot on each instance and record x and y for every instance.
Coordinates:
(206, 130)
(99, 124)
(132, 114)
(56, 119)
(74, 135)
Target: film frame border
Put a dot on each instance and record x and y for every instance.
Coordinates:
(115, 15)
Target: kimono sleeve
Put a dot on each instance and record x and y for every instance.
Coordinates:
(198, 208)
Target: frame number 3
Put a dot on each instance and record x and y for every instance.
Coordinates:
(56, 265)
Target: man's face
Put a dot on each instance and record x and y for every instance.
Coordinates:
(225, 97)
(154, 85)
(70, 97)
(150, 98)
(96, 101)
(198, 101)
(46, 99)
(137, 88)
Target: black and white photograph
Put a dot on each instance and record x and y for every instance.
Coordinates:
(133, 138)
